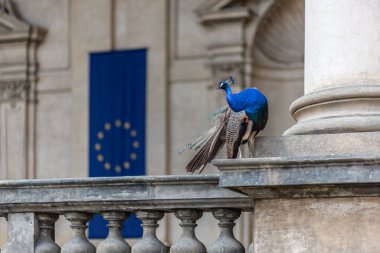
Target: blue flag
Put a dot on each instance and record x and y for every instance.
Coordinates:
(117, 123)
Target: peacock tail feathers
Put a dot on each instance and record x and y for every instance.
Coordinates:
(220, 112)
(236, 128)
(210, 142)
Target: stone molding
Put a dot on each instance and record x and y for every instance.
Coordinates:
(19, 65)
(338, 109)
(163, 193)
(11, 90)
(6, 6)
(317, 145)
(280, 35)
(215, 11)
(18, 79)
(302, 177)
(226, 56)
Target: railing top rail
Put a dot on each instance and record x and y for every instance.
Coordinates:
(118, 193)
(124, 180)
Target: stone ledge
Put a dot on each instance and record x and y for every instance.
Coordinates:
(119, 193)
(279, 177)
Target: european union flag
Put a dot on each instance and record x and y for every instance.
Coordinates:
(117, 123)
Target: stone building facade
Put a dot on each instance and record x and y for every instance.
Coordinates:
(314, 182)
(44, 91)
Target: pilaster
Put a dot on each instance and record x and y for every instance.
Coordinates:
(18, 78)
(226, 22)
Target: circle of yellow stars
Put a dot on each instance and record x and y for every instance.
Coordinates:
(98, 147)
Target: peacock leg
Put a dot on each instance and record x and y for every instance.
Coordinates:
(240, 153)
(250, 142)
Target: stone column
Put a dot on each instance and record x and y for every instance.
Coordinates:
(342, 62)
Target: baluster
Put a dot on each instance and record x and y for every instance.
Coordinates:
(149, 243)
(188, 243)
(250, 249)
(79, 243)
(114, 243)
(45, 242)
(226, 241)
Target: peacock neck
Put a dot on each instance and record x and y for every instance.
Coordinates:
(228, 90)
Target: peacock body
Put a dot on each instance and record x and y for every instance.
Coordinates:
(234, 124)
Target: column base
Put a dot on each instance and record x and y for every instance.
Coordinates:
(340, 109)
(346, 144)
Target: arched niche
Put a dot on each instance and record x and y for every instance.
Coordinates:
(277, 55)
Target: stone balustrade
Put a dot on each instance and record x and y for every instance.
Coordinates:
(32, 207)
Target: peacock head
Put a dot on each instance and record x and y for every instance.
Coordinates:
(224, 84)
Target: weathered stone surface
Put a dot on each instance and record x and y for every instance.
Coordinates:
(226, 242)
(149, 243)
(45, 242)
(302, 177)
(79, 243)
(22, 233)
(317, 225)
(114, 243)
(188, 242)
(120, 193)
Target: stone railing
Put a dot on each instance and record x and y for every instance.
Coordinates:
(32, 207)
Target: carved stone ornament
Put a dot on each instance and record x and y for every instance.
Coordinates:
(10, 90)
(18, 81)
(5, 6)
(18, 70)
(215, 11)
(226, 54)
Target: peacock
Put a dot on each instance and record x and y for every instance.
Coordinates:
(235, 124)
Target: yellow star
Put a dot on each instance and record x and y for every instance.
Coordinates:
(100, 135)
(126, 165)
(107, 126)
(133, 156)
(107, 166)
(127, 125)
(133, 133)
(118, 169)
(118, 123)
(100, 158)
(98, 146)
(135, 144)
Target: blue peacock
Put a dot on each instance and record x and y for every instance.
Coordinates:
(235, 124)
